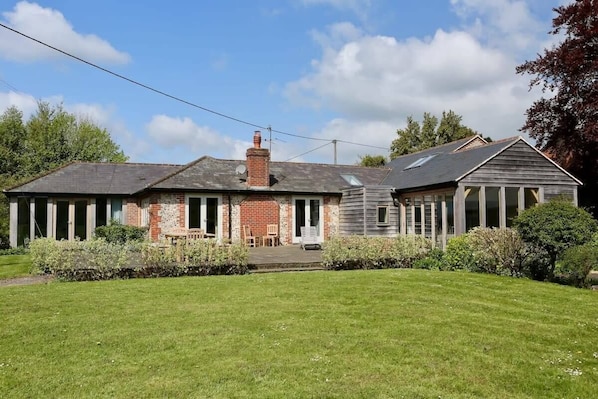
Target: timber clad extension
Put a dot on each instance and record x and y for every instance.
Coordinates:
(437, 193)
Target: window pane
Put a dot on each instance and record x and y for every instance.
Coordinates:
(212, 217)
(532, 197)
(194, 221)
(428, 216)
(438, 216)
(299, 216)
(408, 215)
(116, 206)
(418, 215)
(450, 215)
(101, 216)
(62, 220)
(382, 215)
(41, 217)
(492, 207)
(23, 221)
(512, 204)
(472, 207)
(81, 219)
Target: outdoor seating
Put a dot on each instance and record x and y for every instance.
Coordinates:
(271, 238)
(195, 234)
(309, 238)
(248, 237)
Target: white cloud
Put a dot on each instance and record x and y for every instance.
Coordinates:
(50, 26)
(26, 103)
(507, 24)
(172, 132)
(370, 79)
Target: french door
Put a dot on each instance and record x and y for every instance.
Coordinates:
(202, 213)
(71, 219)
(307, 211)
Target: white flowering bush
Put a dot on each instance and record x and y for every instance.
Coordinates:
(360, 252)
(98, 259)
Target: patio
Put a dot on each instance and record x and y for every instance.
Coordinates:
(284, 258)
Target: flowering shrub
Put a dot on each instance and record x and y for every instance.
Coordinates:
(498, 251)
(98, 259)
(459, 255)
(359, 252)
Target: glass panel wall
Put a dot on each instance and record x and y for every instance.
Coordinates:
(409, 215)
(41, 217)
(23, 221)
(492, 206)
(81, 219)
(472, 207)
(194, 221)
(428, 216)
(116, 210)
(62, 220)
(418, 215)
(101, 213)
(512, 204)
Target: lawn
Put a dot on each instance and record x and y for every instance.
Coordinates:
(14, 266)
(352, 334)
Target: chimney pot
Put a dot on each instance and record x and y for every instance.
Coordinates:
(257, 139)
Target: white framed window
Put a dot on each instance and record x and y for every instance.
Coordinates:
(382, 213)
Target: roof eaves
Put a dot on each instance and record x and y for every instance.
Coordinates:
(43, 174)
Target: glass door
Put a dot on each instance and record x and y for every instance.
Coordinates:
(62, 220)
(202, 213)
(307, 212)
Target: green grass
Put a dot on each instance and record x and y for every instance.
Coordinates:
(14, 266)
(355, 334)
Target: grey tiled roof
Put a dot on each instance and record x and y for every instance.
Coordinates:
(212, 174)
(446, 167)
(96, 178)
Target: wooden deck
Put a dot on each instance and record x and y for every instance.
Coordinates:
(284, 258)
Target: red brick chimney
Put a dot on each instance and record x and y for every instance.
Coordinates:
(258, 163)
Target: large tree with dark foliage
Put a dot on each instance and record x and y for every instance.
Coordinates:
(565, 121)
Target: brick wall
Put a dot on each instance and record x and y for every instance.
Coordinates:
(132, 212)
(257, 211)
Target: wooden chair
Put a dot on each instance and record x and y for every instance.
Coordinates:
(271, 236)
(195, 234)
(248, 238)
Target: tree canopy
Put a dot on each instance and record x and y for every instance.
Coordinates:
(374, 161)
(50, 138)
(564, 123)
(430, 133)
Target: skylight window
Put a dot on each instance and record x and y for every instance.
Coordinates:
(420, 162)
(352, 180)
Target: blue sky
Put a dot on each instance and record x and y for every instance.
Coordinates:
(350, 70)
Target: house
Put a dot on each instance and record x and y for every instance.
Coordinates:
(438, 193)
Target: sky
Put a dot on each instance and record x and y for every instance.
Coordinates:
(347, 70)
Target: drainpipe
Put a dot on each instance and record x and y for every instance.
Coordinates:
(230, 223)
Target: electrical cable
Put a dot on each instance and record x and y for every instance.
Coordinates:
(307, 152)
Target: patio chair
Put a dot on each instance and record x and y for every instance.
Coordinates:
(271, 237)
(248, 238)
(195, 234)
(309, 238)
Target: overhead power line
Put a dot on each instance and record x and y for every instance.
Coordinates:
(307, 152)
(181, 100)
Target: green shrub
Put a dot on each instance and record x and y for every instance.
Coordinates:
(359, 252)
(14, 251)
(555, 226)
(118, 233)
(432, 261)
(459, 255)
(577, 262)
(498, 251)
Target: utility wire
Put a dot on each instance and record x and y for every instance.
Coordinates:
(307, 152)
(147, 87)
(9, 85)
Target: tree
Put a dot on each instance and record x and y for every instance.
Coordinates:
(565, 123)
(374, 161)
(430, 134)
(55, 137)
(50, 138)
